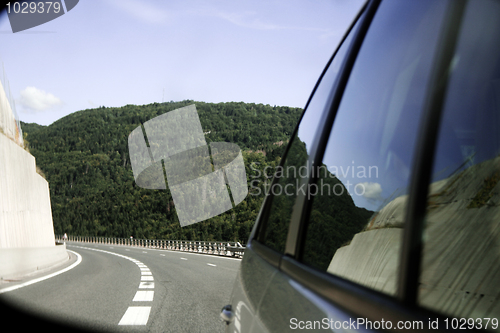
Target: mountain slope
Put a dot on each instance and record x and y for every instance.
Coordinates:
(84, 157)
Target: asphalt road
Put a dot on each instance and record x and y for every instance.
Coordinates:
(128, 289)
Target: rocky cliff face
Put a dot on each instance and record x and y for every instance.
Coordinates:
(461, 255)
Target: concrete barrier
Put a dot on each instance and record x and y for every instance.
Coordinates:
(27, 242)
(25, 211)
(15, 262)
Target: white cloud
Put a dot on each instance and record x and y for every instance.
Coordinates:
(253, 20)
(247, 20)
(35, 99)
(143, 10)
(369, 190)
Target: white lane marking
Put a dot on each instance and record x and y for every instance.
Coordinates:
(209, 264)
(136, 315)
(144, 252)
(146, 285)
(162, 254)
(111, 247)
(27, 283)
(183, 258)
(143, 296)
(127, 249)
(113, 253)
(142, 267)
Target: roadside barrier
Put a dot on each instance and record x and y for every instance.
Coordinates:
(228, 249)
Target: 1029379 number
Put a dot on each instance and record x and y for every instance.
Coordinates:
(471, 323)
(33, 7)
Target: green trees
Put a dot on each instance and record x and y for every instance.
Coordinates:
(85, 159)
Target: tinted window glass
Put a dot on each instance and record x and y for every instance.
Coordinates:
(356, 220)
(461, 255)
(294, 169)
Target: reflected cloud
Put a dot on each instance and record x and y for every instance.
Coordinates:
(370, 190)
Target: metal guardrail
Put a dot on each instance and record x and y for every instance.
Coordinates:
(228, 249)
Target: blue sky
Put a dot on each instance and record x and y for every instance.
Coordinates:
(119, 52)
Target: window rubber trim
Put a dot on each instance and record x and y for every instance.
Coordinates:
(303, 203)
(411, 249)
(262, 219)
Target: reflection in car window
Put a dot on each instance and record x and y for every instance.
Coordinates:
(293, 170)
(461, 255)
(356, 219)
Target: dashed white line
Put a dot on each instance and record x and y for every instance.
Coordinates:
(144, 296)
(183, 258)
(146, 285)
(136, 315)
(209, 264)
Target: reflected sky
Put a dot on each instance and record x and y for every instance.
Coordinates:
(375, 129)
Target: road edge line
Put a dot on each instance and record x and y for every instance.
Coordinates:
(27, 283)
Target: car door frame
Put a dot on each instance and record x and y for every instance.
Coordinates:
(355, 299)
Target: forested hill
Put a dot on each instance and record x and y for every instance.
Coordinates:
(84, 157)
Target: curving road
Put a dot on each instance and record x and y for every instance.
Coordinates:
(128, 289)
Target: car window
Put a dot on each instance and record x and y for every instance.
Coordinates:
(357, 215)
(293, 170)
(461, 242)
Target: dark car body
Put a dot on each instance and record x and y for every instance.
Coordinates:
(384, 213)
